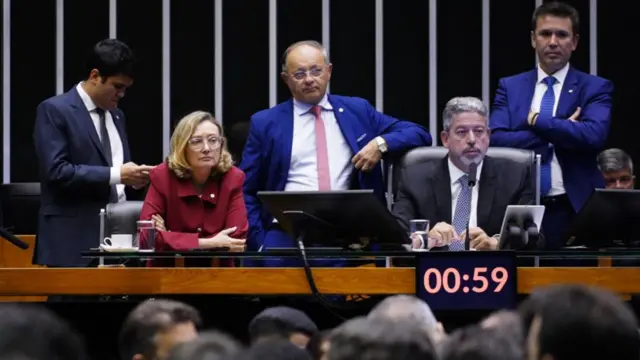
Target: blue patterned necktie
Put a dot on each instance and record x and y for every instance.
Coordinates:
(461, 215)
(546, 112)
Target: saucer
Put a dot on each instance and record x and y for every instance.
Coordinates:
(108, 248)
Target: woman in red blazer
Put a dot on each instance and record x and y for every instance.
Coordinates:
(195, 198)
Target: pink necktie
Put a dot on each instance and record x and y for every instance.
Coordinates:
(322, 155)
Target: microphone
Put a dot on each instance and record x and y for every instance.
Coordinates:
(13, 239)
(473, 174)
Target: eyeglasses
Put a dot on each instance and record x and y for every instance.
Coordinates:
(301, 74)
(213, 142)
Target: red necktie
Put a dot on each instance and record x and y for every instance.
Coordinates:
(322, 155)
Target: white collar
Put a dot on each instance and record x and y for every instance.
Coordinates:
(560, 75)
(86, 99)
(455, 173)
(301, 108)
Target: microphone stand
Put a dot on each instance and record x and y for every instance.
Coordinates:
(13, 239)
(473, 174)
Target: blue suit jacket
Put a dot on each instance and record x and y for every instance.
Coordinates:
(576, 144)
(267, 153)
(74, 177)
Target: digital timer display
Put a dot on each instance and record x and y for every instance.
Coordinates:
(467, 279)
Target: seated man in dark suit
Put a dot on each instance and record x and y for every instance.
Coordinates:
(439, 190)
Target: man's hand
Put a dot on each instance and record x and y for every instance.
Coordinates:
(575, 115)
(479, 240)
(367, 157)
(134, 174)
(443, 234)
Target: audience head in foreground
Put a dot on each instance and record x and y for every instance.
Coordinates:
(34, 333)
(282, 322)
(210, 345)
(380, 339)
(154, 327)
(409, 308)
(274, 349)
(616, 167)
(571, 322)
(477, 343)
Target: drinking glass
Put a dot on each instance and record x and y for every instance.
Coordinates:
(146, 236)
(420, 227)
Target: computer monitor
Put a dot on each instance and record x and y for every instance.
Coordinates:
(607, 219)
(334, 218)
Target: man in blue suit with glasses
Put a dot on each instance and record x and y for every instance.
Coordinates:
(316, 141)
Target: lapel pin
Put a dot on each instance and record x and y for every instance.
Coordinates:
(570, 91)
(340, 110)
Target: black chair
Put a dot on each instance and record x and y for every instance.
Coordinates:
(20, 204)
(425, 154)
(122, 217)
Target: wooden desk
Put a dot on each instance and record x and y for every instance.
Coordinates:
(14, 257)
(258, 281)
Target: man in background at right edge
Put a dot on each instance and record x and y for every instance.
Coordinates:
(559, 112)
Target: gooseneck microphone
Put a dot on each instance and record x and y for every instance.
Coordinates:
(472, 177)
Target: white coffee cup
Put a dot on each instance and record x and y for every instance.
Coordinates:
(119, 241)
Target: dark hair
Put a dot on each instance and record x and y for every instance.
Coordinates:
(111, 57)
(139, 330)
(35, 333)
(557, 9)
(281, 321)
(210, 345)
(596, 323)
(474, 342)
(379, 339)
(274, 349)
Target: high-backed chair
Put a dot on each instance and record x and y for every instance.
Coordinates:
(425, 154)
(121, 217)
(20, 204)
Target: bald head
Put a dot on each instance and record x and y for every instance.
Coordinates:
(306, 71)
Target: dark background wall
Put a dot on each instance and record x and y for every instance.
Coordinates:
(246, 58)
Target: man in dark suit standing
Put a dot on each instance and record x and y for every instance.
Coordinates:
(83, 157)
(559, 112)
(439, 190)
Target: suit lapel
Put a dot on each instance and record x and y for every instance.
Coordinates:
(526, 95)
(284, 141)
(486, 192)
(567, 96)
(84, 121)
(442, 191)
(347, 126)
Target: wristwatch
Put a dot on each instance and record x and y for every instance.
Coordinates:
(531, 119)
(382, 145)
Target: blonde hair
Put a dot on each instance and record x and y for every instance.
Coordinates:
(177, 159)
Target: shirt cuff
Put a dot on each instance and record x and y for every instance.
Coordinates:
(114, 178)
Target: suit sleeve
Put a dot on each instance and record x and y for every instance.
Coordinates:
(155, 203)
(502, 133)
(237, 212)
(404, 208)
(252, 165)
(52, 148)
(591, 129)
(398, 134)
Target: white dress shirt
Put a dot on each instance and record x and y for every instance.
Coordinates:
(303, 170)
(557, 184)
(117, 151)
(456, 187)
